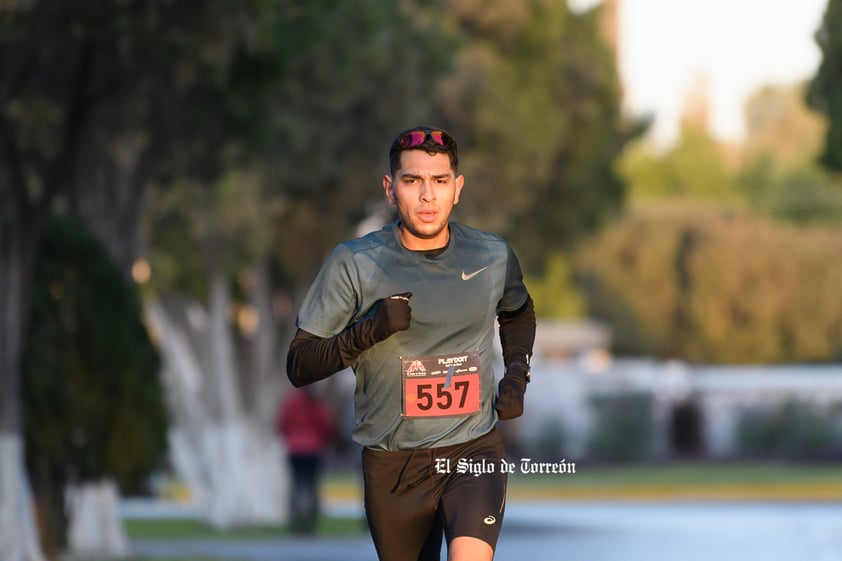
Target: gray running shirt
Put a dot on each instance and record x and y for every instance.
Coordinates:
(455, 300)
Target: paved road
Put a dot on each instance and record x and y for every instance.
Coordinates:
(588, 531)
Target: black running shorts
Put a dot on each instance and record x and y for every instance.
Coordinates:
(413, 497)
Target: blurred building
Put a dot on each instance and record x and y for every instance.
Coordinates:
(695, 410)
(559, 340)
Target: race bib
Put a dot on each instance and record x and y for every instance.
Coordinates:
(441, 386)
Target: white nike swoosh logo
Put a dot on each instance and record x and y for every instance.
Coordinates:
(472, 275)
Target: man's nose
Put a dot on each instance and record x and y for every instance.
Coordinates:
(427, 192)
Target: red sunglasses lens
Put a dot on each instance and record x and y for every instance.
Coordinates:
(416, 138)
(413, 138)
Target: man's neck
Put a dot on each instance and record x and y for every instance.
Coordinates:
(424, 245)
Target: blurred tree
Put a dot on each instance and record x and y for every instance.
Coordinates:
(776, 174)
(555, 291)
(96, 100)
(802, 195)
(780, 127)
(703, 285)
(204, 239)
(780, 174)
(823, 94)
(93, 404)
(695, 168)
(535, 101)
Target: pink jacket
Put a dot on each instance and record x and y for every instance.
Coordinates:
(305, 423)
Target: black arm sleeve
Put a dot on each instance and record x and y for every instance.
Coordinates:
(312, 358)
(517, 333)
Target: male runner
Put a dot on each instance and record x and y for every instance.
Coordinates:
(411, 308)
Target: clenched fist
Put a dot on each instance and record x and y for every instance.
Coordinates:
(392, 315)
(511, 390)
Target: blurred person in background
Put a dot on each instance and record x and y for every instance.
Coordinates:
(412, 309)
(306, 424)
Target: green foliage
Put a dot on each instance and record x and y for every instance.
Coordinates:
(685, 281)
(164, 88)
(805, 195)
(194, 227)
(794, 431)
(781, 128)
(555, 293)
(780, 175)
(354, 74)
(694, 169)
(624, 427)
(773, 171)
(92, 400)
(823, 94)
(535, 102)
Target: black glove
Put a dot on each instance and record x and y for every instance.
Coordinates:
(392, 315)
(511, 390)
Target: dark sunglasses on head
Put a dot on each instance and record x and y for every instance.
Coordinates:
(416, 138)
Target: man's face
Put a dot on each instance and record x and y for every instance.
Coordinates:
(424, 190)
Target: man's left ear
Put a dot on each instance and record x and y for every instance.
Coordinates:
(460, 182)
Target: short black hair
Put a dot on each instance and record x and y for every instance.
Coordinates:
(430, 145)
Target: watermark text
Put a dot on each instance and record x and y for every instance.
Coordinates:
(477, 467)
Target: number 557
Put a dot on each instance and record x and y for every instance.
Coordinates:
(443, 398)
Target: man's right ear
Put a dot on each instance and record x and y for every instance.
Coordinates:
(389, 189)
